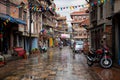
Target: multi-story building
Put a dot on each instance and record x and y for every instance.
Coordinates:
(100, 25)
(24, 22)
(61, 27)
(48, 24)
(13, 21)
(60, 31)
(80, 19)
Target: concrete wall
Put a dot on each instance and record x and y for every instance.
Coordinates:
(107, 11)
(117, 6)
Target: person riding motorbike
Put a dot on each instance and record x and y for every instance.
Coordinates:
(60, 44)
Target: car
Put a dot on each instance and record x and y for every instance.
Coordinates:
(78, 46)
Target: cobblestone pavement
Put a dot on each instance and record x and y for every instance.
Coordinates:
(54, 65)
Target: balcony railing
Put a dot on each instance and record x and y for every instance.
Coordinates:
(49, 22)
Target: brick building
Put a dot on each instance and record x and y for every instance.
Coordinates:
(80, 19)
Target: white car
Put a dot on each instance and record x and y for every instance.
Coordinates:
(78, 46)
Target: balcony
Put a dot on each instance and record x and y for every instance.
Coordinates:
(48, 22)
(93, 13)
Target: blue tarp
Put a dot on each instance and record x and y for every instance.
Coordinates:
(20, 21)
(6, 16)
(11, 19)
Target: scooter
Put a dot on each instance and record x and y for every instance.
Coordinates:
(101, 56)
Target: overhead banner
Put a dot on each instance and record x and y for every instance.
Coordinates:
(65, 35)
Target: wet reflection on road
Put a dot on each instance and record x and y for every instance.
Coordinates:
(54, 65)
(107, 74)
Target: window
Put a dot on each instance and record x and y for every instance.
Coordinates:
(76, 24)
(85, 34)
(93, 13)
(24, 16)
(75, 18)
(101, 11)
(8, 7)
(75, 34)
(20, 12)
(80, 33)
(84, 17)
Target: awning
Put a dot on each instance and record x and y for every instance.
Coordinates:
(19, 21)
(11, 19)
(6, 16)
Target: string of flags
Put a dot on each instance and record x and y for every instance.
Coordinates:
(37, 8)
(72, 7)
(44, 8)
(100, 2)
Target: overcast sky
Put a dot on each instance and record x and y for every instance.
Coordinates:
(68, 3)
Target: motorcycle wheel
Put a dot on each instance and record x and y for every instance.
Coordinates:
(106, 62)
(89, 63)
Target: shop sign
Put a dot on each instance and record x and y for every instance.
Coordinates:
(65, 35)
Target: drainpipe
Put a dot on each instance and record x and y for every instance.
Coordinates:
(113, 32)
(30, 21)
(41, 21)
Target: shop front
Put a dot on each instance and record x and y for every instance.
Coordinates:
(10, 36)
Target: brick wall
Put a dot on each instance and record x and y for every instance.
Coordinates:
(14, 12)
(2, 8)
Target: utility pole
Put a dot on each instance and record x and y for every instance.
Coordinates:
(30, 21)
(41, 28)
(41, 21)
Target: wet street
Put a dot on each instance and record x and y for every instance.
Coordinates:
(56, 65)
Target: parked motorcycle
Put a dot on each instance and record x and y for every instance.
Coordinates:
(101, 56)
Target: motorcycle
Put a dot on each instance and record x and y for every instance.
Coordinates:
(60, 47)
(101, 56)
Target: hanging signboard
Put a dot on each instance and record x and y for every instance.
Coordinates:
(65, 35)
